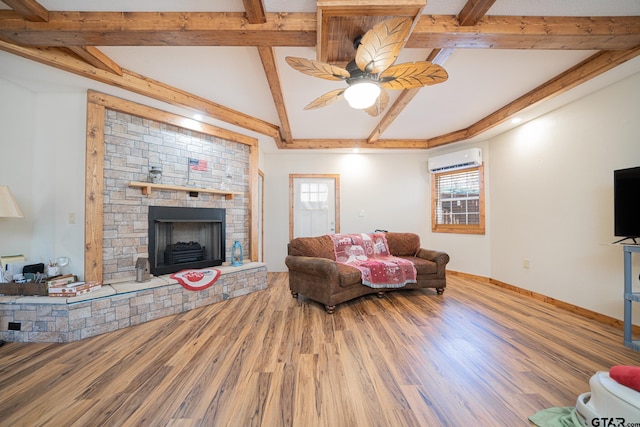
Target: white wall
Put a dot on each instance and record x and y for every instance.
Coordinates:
(58, 187)
(391, 189)
(43, 145)
(17, 152)
(552, 198)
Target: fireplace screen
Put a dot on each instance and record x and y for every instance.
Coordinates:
(183, 238)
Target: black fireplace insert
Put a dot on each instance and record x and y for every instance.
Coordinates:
(183, 238)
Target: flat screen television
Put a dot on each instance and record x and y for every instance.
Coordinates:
(626, 195)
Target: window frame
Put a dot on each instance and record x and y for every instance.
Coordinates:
(458, 228)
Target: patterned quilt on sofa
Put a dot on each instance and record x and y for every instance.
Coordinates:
(369, 253)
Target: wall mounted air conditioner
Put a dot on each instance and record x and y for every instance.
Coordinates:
(464, 159)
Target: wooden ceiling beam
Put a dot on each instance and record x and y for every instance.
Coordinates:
(33, 11)
(299, 29)
(95, 57)
(30, 10)
(256, 15)
(528, 32)
(255, 11)
(142, 85)
(473, 11)
(160, 29)
(340, 22)
(268, 59)
(401, 144)
(144, 111)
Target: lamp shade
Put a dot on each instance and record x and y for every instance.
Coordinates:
(8, 205)
(361, 95)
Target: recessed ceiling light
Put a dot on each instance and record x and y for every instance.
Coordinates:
(197, 117)
(516, 120)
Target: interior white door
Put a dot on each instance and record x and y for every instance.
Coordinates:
(314, 206)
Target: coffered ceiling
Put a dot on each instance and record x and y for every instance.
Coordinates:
(225, 60)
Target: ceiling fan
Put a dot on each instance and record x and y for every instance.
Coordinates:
(372, 71)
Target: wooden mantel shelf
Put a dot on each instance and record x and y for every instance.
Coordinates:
(147, 186)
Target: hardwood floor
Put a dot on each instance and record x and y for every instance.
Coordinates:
(477, 355)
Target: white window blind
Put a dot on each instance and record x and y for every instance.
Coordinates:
(457, 197)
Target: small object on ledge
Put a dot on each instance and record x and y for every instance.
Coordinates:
(142, 270)
(155, 174)
(236, 254)
(74, 289)
(24, 289)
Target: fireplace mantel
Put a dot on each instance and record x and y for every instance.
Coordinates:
(147, 186)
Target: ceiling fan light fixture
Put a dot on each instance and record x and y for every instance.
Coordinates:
(361, 95)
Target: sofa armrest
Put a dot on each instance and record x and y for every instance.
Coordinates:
(321, 267)
(439, 257)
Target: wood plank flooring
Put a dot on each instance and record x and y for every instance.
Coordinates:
(478, 355)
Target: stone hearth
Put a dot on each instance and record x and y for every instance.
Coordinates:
(118, 305)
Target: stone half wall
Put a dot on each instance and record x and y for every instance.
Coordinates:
(118, 306)
(132, 146)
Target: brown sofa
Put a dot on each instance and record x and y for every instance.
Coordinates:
(314, 273)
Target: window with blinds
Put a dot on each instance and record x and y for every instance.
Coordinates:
(458, 201)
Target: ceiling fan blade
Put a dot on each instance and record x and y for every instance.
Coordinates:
(381, 45)
(326, 99)
(317, 68)
(380, 105)
(412, 74)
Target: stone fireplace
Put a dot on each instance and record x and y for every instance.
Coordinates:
(132, 146)
(184, 237)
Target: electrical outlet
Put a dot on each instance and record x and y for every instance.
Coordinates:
(72, 218)
(526, 264)
(14, 326)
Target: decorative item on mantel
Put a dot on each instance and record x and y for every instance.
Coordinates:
(227, 179)
(196, 165)
(155, 174)
(236, 254)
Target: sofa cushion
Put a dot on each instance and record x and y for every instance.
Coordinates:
(423, 266)
(349, 276)
(403, 244)
(320, 247)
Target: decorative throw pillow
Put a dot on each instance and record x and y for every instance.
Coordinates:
(626, 375)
